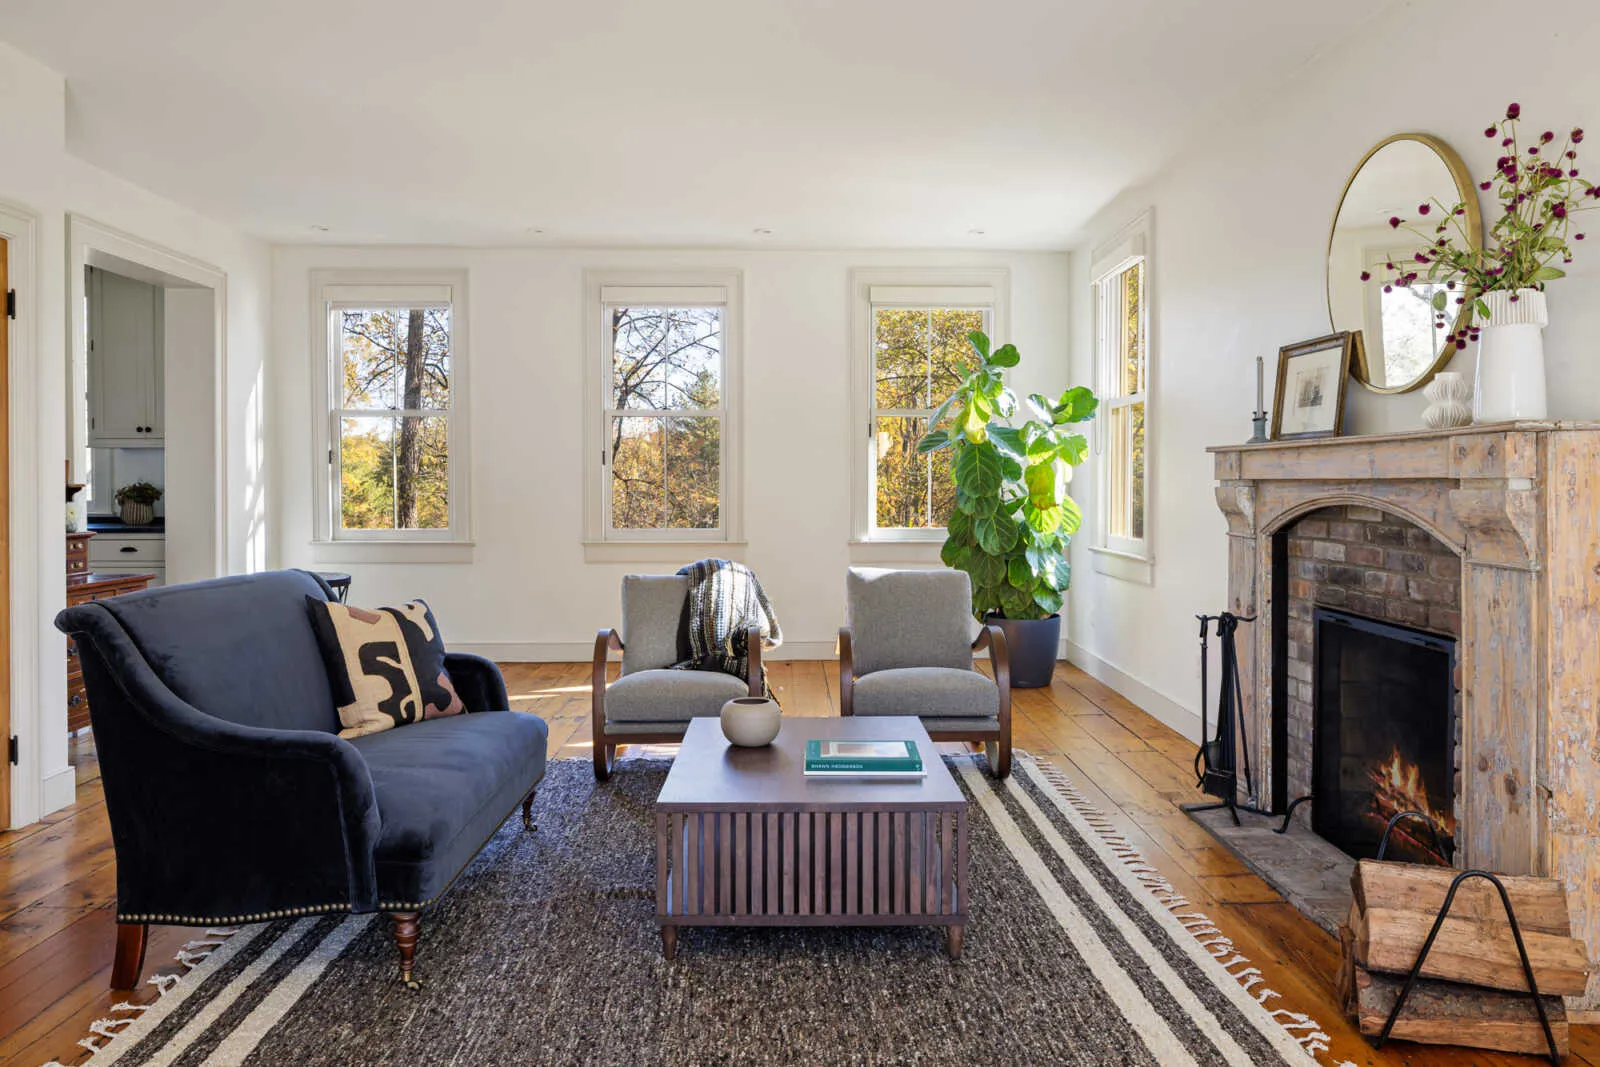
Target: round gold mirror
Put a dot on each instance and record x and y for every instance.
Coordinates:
(1401, 347)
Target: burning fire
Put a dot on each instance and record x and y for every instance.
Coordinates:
(1396, 787)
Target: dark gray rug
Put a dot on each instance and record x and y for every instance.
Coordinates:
(546, 951)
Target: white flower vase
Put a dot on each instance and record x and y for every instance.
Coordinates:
(1449, 401)
(1510, 380)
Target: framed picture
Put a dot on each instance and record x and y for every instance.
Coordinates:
(1312, 376)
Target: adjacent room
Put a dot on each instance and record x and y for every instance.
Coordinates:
(771, 532)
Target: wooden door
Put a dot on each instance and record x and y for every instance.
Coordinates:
(5, 542)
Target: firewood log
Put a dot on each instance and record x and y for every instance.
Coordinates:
(1446, 1013)
(1476, 953)
(1540, 903)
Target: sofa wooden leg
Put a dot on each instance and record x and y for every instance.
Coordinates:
(129, 961)
(406, 925)
(527, 811)
(999, 757)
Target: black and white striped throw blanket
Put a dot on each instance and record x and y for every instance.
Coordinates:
(725, 600)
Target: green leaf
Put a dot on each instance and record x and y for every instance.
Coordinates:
(1042, 407)
(985, 570)
(1071, 516)
(1044, 443)
(1048, 600)
(1077, 404)
(1548, 274)
(1075, 449)
(996, 533)
(1440, 299)
(1018, 573)
(1008, 440)
(1481, 308)
(975, 504)
(1006, 356)
(943, 409)
(980, 341)
(933, 441)
(958, 528)
(1063, 578)
(1017, 603)
(1041, 479)
(974, 423)
(977, 469)
(1042, 520)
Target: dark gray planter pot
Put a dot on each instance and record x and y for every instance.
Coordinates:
(1032, 645)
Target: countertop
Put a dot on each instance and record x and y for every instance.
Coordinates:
(110, 524)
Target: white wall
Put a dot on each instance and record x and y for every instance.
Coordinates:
(1241, 227)
(40, 179)
(528, 592)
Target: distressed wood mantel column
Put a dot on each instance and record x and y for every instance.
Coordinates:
(1520, 503)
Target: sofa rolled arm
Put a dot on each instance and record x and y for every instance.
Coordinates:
(214, 820)
(478, 681)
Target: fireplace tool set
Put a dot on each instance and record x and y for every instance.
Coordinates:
(1215, 763)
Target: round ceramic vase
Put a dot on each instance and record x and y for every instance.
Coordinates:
(1449, 401)
(1510, 381)
(751, 722)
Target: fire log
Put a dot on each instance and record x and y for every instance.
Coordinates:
(1446, 1013)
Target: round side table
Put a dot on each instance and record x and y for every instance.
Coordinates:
(338, 582)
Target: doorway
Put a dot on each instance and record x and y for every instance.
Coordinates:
(5, 532)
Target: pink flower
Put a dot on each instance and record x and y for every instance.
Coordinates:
(1577, 237)
(1423, 209)
(1366, 275)
(1485, 185)
(1394, 222)
(1490, 132)
(1513, 112)
(1546, 137)
(1559, 210)
(1577, 136)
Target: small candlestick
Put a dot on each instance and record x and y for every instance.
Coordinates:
(1260, 397)
(1259, 416)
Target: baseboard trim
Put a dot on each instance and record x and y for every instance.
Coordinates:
(583, 651)
(60, 790)
(1160, 707)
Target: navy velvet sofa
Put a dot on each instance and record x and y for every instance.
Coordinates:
(233, 799)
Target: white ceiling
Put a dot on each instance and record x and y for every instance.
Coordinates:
(832, 123)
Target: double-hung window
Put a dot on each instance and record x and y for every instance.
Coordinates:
(665, 364)
(391, 390)
(916, 352)
(1122, 316)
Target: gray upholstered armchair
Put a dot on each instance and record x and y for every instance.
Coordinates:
(907, 650)
(649, 703)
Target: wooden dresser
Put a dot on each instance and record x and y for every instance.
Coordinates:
(83, 586)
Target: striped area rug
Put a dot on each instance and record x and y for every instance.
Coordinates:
(546, 951)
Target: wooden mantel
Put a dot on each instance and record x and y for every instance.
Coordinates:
(1520, 503)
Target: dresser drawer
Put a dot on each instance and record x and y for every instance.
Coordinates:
(126, 551)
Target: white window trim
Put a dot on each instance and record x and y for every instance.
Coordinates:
(680, 288)
(396, 288)
(1124, 558)
(911, 286)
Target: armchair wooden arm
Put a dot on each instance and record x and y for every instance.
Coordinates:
(847, 673)
(758, 687)
(605, 642)
(1000, 659)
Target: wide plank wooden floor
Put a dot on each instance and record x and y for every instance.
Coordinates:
(58, 886)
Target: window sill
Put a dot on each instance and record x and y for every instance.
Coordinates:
(395, 551)
(679, 552)
(1123, 565)
(896, 550)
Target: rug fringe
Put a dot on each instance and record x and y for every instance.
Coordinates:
(104, 1030)
(1303, 1028)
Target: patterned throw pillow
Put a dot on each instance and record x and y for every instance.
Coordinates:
(387, 666)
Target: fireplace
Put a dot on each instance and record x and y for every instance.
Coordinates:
(1515, 506)
(1383, 742)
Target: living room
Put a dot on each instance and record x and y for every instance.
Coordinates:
(880, 383)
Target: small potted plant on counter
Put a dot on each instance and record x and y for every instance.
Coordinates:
(1013, 518)
(137, 503)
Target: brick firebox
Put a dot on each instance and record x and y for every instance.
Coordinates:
(1367, 562)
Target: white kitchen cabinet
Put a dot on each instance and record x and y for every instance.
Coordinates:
(125, 364)
(118, 553)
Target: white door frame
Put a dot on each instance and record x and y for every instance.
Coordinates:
(20, 227)
(94, 244)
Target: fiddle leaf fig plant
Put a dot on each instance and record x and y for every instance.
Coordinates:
(1013, 518)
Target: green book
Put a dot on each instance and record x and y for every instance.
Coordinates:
(899, 758)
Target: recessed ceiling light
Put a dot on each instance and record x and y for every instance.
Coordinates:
(762, 231)
(535, 229)
(319, 228)
(975, 232)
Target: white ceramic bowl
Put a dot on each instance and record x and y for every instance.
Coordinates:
(750, 722)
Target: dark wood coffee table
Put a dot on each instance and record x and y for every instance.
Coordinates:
(743, 838)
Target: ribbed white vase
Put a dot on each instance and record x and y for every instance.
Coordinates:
(1450, 401)
(1510, 379)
